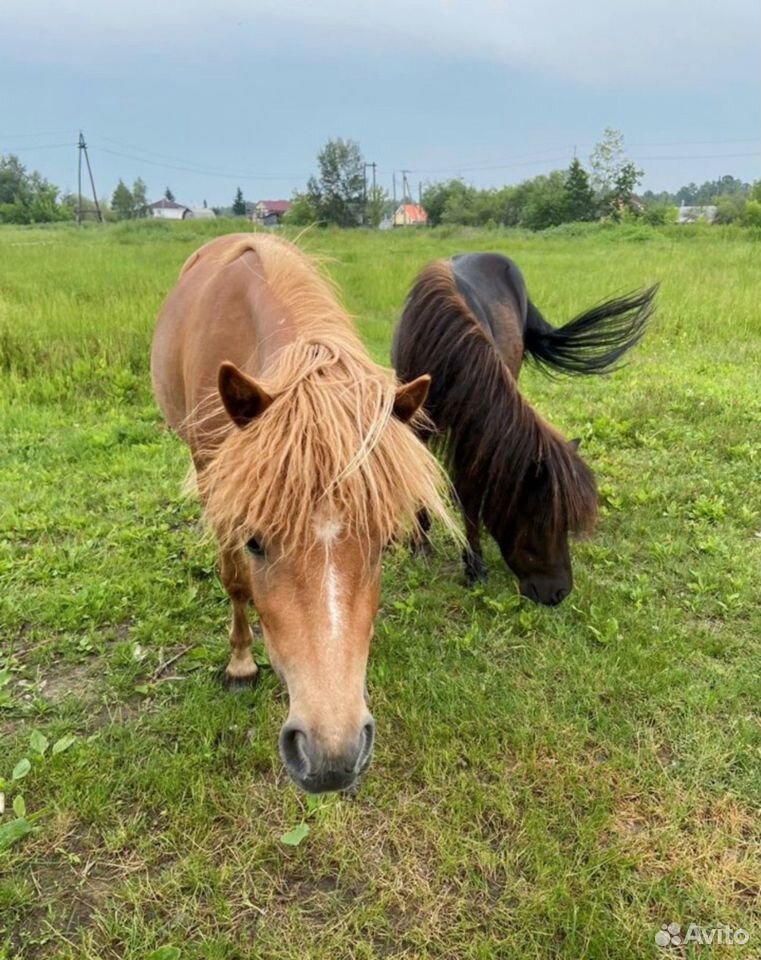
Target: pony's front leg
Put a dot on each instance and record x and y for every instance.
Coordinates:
(420, 541)
(475, 568)
(241, 671)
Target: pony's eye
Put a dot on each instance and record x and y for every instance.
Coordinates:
(254, 547)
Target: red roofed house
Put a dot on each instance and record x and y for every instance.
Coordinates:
(269, 213)
(410, 215)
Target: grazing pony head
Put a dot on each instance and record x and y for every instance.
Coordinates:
(316, 474)
(551, 495)
(511, 469)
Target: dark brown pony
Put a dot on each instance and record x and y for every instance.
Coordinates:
(468, 321)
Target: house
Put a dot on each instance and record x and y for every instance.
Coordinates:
(168, 210)
(410, 215)
(199, 213)
(269, 213)
(694, 214)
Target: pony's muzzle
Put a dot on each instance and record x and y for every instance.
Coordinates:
(547, 592)
(319, 770)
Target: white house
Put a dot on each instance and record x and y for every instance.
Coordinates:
(200, 213)
(693, 214)
(169, 210)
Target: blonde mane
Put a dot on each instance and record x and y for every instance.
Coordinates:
(329, 444)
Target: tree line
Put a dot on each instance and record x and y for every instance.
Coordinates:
(604, 190)
(27, 197)
(339, 194)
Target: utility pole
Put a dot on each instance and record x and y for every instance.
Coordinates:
(372, 165)
(406, 194)
(393, 176)
(364, 195)
(79, 180)
(82, 146)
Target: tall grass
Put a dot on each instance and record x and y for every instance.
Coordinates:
(548, 783)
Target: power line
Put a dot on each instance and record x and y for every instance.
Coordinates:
(48, 133)
(198, 170)
(560, 159)
(39, 146)
(692, 143)
(497, 166)
(211, 170)
(704, 156)
(144, 156)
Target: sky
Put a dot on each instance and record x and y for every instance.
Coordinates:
(206, 97)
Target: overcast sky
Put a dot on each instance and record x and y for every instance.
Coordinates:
(203, 96)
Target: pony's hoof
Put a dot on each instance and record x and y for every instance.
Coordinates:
(475, 575)
(421, 548)
(237, 684)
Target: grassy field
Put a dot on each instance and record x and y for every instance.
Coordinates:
(547, 782)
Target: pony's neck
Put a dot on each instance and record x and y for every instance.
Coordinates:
(507, 458)
(514, 443)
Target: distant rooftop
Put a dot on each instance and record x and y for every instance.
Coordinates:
(164, 204)
(275, 206)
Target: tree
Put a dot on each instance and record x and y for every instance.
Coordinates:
(579, 196)
(752, 213)
(27, 197)
(168, 195)
(139, 198)
(621, 197)
(437, 196)
(377, 203)
(239, 204)
(302, 211)
(730, 208)
(13, 180)
(337, 194)
(614, 177)
(122, 202)
(606, 160)
(687, 195)
(89, 211)
(545, 202)
(656, 214)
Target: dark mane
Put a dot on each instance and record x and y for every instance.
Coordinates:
(494, 442)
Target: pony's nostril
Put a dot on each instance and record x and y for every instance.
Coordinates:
(367, 738)
(368, 732)
(294, 749)
(529, 591)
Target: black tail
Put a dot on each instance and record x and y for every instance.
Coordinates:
(594, 341)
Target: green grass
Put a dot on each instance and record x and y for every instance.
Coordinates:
(547, 782)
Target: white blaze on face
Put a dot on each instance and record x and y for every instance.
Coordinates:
(327, 532)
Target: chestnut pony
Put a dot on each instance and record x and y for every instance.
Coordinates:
(468, 321)
(306, 472)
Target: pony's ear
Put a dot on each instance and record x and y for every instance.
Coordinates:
(575, 443)
(410, 397)
(243, 398)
